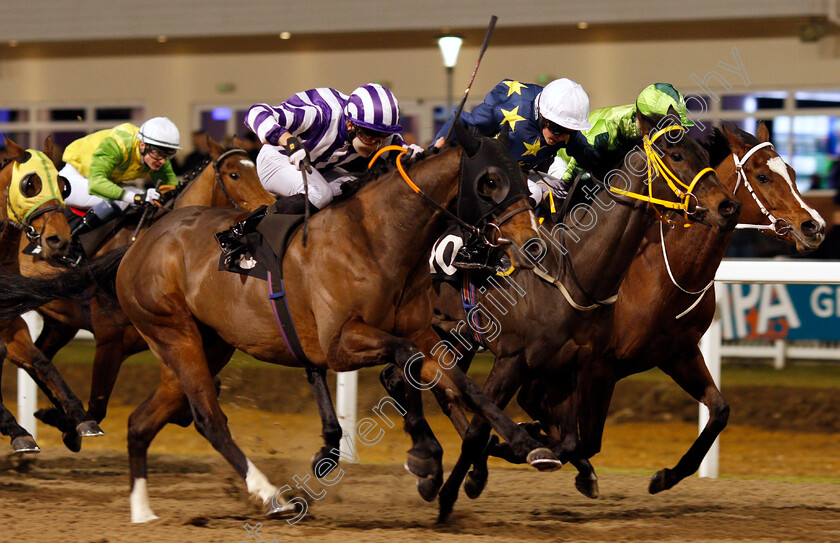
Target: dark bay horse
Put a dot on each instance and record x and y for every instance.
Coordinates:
(228, 180)
(562, 317)
(33, 201)
(665, 305)
(359, 294)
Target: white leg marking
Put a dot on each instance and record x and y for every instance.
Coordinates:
(258, 485)
(140, 509)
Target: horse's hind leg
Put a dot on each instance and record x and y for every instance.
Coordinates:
(179, 345)
(362, 345)
(54, 336)
(74, 421)
(22, 441)
(693, 376)
(114, 343)
(330, 428)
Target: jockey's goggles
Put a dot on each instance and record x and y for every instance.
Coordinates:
(368, 136)
(160, 153)
(555, 128)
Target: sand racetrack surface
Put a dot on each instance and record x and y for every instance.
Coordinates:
(779, 468)
(67, 498)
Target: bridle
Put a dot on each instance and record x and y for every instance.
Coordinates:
(216, 164)
(479, 233)
(780, 227)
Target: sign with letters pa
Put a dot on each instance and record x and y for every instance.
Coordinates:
(775, 311)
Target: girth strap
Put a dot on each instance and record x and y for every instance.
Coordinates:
(283, 317)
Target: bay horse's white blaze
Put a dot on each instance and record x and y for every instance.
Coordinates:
(258, 485)
(141, 511)
(778, 165)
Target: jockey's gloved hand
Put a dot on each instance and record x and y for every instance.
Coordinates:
(297, 153)
(414, 150)
(151, 196)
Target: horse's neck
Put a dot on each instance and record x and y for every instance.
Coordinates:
(201, 191)
(395, 213)
(694, 253)
(602, 253)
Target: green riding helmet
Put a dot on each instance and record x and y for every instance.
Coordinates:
(657, 98)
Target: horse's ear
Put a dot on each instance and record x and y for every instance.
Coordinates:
(467, 140)
(762, 133)
(15, 151)
(504, 135)
(48, 147)
(644, 123)
(735, 141)
(216, 150)
(238, 143)
(673, 117)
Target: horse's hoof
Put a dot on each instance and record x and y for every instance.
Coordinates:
(659, 481)
(587, 485)
(25, 444)
(274, 510)
(72, 440)
(428, 487)
(321, 455)
(543, 459)
(89, 428)
(422, 468)
(474, 485)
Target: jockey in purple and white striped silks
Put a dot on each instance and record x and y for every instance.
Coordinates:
(333, 128)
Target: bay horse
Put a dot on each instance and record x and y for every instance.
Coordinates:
(33, 200)
(358, 293)
(562, 317)
(665, 305)
(230, 180)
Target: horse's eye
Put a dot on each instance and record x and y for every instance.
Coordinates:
(761, 178)
(234, 176)
(64, 187)
(676, 157)
(30, 185)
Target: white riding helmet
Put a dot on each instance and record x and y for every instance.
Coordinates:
(566, 103)
(160, 132)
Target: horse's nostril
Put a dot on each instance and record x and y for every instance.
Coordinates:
(810, 228)
(728, 207)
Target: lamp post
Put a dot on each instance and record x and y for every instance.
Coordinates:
(449, 45)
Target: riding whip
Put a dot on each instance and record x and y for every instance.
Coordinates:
(306, 199)
(143, 217)
(490, 28)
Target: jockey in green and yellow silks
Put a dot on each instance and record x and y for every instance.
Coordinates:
(99, 163)
(611, 124)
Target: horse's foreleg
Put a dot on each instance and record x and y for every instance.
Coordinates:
(74, 421)
(362, 345)
(693, 376)
(501, 384)
(330, 428)
(455, 382)
(111, 343)
(22, 441)
(54, 336)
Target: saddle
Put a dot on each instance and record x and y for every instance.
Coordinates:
(257, 244)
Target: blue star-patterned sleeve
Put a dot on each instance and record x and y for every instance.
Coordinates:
(486, 116)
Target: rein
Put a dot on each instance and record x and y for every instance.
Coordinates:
(742, 176)
(656, 168)
(472, 229)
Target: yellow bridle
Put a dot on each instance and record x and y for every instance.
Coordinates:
(656, 167)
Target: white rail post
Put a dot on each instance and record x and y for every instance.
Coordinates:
(27, 392)
(710, 347)
(345, 399)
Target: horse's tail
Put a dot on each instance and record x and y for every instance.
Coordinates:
(19, 294)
